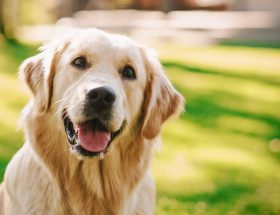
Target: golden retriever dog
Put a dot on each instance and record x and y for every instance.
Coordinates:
(99, 101)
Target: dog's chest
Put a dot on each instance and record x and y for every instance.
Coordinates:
(102, 188)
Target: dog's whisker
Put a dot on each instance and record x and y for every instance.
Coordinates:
(60, 110)
(58, 102)
(61, 100)
(68, 107)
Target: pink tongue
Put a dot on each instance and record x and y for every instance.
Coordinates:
(93, 140)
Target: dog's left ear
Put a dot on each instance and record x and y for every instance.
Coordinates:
(161, 99)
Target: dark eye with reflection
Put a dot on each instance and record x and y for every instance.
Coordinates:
(80, 62)
(128, 73)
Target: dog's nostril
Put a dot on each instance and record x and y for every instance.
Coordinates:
(101, 97)
(110, 97)
(93, 95)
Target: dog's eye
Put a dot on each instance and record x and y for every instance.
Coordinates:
(128, 73)
(80, 62)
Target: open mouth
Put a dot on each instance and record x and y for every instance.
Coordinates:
(89, 138)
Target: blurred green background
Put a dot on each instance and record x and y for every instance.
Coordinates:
(222, 156)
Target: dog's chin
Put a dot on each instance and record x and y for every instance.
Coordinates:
(90, 138)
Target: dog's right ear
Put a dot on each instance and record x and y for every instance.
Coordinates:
(32, 72)
(38, 73)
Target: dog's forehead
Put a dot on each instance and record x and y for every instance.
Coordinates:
(95, 41)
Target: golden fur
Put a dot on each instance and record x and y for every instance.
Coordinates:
(44, 177)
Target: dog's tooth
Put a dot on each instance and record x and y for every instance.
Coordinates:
(101, 155)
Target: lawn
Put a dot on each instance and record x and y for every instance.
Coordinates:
(222, 157)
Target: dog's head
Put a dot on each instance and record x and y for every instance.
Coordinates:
(101, 88)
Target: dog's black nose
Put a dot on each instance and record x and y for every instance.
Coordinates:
(101, 97)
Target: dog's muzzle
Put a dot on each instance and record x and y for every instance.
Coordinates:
(92, 137)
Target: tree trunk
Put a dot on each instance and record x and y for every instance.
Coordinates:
(1, 18)
(9, 10)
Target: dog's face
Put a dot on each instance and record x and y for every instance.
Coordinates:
(100, 82)
(101, 88)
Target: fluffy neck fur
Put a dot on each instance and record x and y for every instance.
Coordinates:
(95, 186)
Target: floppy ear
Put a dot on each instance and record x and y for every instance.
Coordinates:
(161, 100)
(38, 73)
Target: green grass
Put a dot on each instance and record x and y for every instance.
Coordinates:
(222, 157)
(216, 159)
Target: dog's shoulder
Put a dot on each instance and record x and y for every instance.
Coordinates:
(27, 182)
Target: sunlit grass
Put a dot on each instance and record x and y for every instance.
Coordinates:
(226, 60)
(221, 156)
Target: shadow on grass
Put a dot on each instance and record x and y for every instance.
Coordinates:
(12, 53)
(3, 164)
(205, 109)
(223, 193)
(226, 199)
(228, 74)
(252, 44)
(18, 50)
